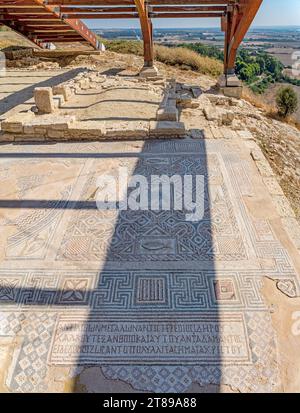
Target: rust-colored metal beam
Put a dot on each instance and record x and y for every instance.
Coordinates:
(236, 17)
(129, 9)
(130, 2)
(20, 13)
(185, 15)
(109, 16)
(237, 29)
(147, 32)
(102, 16)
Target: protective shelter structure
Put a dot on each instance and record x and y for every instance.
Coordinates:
(60, 20)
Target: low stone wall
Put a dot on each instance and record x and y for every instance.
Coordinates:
(177, 96)
(46, 123)
(18, 53)
(50, 127)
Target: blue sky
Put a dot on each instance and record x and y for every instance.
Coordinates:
(272, 13)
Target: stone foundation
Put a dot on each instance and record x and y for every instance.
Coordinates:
(230, 86)
(30, 127)
(62, 125)
(149, 71)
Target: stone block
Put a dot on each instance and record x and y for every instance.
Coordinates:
(233, 92)
(63, 90)
(219, 100)
(227, 117)
(167, 129)
(160, 82)
(196, 91)
(84, 84)
(43, 98)
(16, 122)
(32, 129)
(207, 133)
(184, 102)
(55, 134)
(168, 113)
(129, 130)
(257, 155)
(58, 101)
(164, 101)
(42, 124)
(149, 72)
(233, 81)
(6, 137)
(172, 103)
(86, 130)
(222, 81)
(211, 113)
(30, 138)
(62, 123)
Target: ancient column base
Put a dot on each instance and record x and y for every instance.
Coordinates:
(230, 86)
(149, 71)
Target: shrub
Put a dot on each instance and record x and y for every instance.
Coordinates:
(286, 101)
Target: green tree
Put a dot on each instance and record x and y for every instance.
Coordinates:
(287, 101)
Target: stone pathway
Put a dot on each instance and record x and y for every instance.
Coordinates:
(140, 300)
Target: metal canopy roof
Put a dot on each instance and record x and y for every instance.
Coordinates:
(59, 20)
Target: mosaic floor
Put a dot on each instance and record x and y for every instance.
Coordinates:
(153, 300)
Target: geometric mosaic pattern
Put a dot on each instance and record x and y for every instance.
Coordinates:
(215, 237)
(35, 330)
(151, 291)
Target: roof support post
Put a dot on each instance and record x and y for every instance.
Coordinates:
(229, 23)
(238, 22)
(147, 31)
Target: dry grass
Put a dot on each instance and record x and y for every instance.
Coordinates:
(185, 58)
(256, 100)
(270, 110)
(173, 56)
(124, 46)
